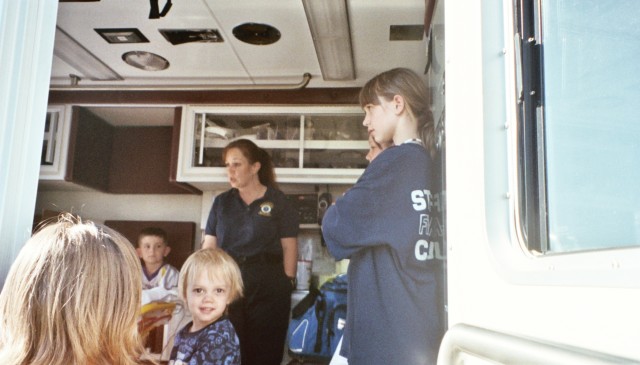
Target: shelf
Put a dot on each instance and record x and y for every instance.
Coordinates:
(264, 143)
(336, 145)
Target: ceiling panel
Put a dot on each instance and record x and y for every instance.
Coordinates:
(232, 61)
(290, 57)
(373, 51)
(191, 62)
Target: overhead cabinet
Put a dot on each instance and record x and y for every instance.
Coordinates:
(82, 151)
(307, 144)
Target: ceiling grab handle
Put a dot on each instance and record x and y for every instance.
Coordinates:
(74, 86)
(155, 12)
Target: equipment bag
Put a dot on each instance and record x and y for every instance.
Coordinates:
(318, 321)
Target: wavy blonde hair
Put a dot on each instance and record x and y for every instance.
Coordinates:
(72, 296)
(216, 263)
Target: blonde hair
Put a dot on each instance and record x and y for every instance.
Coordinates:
(406, 83)
(72, 296)
(216, 263)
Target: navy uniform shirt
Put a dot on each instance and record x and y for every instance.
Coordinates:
(248, 230)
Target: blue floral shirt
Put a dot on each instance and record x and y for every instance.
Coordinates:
(216, 344)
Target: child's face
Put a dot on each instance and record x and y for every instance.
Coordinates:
(381, 121)
(152, 250)
(207, 299)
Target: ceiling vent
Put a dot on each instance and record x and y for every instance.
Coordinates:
(180, 36)
(122, 35)
(255, 33)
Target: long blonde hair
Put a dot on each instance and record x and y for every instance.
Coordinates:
(72, 296)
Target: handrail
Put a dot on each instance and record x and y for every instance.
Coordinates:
(503, 348)
(112, 87)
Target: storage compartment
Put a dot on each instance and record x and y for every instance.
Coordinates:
(306, 144)
(81, 150)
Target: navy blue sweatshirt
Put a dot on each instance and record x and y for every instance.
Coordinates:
(384, 225)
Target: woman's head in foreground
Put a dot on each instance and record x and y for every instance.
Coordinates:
(72, 296)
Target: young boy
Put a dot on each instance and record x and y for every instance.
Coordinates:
(159, 279)
(210, 280)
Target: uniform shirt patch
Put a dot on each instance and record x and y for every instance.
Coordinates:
(265, 209)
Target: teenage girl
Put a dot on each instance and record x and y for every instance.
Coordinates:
(382, 225)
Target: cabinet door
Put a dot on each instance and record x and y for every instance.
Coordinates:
(307, 144)
(55, 144)
(276, 133)
(334, 141)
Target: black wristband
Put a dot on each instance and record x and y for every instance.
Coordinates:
(294, 282)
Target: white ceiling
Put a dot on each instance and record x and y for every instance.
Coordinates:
(232, 61)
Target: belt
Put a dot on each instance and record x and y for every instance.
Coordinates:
(261, 258)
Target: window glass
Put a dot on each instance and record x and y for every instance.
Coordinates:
(591, 51)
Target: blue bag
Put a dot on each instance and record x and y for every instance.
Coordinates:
(318, 321)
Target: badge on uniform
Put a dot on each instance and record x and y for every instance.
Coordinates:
(265, 209)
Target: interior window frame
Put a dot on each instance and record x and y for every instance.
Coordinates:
(531, 136)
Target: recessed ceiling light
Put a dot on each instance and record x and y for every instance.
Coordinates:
(255, 33)
(122, 35)
(145, 60)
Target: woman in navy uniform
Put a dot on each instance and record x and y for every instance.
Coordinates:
(256, 224)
